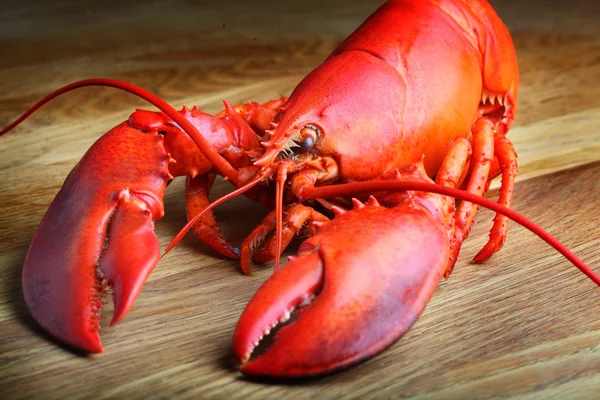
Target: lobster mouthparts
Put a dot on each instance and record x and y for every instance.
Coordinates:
(371, 281)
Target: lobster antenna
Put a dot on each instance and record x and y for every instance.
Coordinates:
(279, 186)
(380, 186)
(260, 176)
(222, 165)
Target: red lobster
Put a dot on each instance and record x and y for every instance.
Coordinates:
(413, 105)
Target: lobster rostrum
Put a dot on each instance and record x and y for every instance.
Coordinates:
(408, 110)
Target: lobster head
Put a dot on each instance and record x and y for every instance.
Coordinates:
(336, 111)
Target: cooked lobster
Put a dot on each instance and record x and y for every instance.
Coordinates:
(410, 108)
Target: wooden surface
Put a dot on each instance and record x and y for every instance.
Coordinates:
(524, 325)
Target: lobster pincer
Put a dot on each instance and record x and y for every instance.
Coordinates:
(358, 284)
(364, 278)
(88, 238)
(97, 236)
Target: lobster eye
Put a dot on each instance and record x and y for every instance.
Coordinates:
(308, 137)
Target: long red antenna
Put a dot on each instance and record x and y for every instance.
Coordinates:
(352, 189)
(279, 186)
(213, 156)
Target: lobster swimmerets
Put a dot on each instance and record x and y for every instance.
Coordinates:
(422, 90)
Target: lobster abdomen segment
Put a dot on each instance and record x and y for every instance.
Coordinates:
(93, 234)
(377, 269)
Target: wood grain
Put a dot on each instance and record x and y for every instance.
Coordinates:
(523, 325)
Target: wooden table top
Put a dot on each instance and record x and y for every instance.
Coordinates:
(523, 325)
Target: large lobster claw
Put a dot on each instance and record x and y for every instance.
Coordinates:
(98, 234)
(372, 269)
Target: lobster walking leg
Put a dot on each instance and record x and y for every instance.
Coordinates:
(261, 246)
(483, 152)
(455, 164)
(507, 159)
(206, 229)
(451, 173)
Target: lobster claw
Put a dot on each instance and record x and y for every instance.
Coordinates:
(372, 271)
(98, 235)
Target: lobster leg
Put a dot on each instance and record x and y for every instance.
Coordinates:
(206, 229)
(483, 152)
(261, 245)
(457, 158)
(455, 164)
(507, 159)
(451, 174)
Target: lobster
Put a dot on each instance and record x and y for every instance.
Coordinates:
(408, 114)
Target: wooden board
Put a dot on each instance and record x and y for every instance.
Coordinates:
(523, 325)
